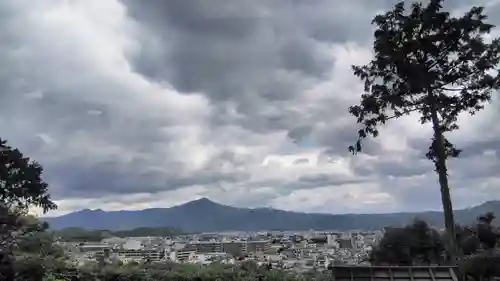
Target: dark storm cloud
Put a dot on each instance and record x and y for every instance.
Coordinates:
(254, 55)
(229, 51)
(298, 134)
(286, 187)
(137, 176)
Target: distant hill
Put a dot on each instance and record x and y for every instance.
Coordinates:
(204, 215)
(74, 234)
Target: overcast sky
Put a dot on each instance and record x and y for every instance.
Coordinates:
(136, 104)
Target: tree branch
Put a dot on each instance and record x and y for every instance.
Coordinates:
(453, 81)
(405, 113)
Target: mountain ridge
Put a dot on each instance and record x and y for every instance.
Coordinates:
(205, 215)
(207, 200)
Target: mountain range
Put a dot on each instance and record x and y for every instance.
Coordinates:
(204, 215)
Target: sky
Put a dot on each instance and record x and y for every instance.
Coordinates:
(138, 104)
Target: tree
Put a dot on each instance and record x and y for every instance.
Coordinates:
(427, 61)
(467, 240)
(414, 244)
(21, 187)
(39, 243)
(485, 232)
(21, 183)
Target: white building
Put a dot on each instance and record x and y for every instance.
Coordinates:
(132, 244)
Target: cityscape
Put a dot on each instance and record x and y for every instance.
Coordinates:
(297, 251)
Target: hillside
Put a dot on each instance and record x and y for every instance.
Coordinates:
(204, 215)
(78, 234)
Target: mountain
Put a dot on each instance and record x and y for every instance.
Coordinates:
(204, 215)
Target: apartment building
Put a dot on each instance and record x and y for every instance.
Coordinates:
(93, 250)
(144, 254)
(258, 246)
(235, 248)
(182, 255)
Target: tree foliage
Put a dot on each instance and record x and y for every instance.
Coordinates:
(415, 244)
(21, 183)
(21, 187)
(486, 233)
(429, 62)
(16, 230)
(418, 244)
(426, 59)
(483, 261)
(38, 243)
(32, 268)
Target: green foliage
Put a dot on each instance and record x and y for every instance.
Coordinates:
(21, 187)
(467, 240)
(31, 269)
(75, 234)
(488, 236)
(418, 244)
(41, 243)
(480, 236)
(414, 244)
(21, 183)
(481, 266)
(482, 260)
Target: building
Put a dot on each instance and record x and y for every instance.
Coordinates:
(257, 246)
(132, 244)
(209, 258)
(235, 248)
(181, 255)
(345, 243)
(93, 250)
(141, 254)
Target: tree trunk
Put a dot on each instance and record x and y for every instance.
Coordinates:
(440, 154)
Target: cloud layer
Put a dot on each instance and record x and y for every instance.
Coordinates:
(132, 105)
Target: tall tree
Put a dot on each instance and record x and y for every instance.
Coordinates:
(432, 63)
(21, 186)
